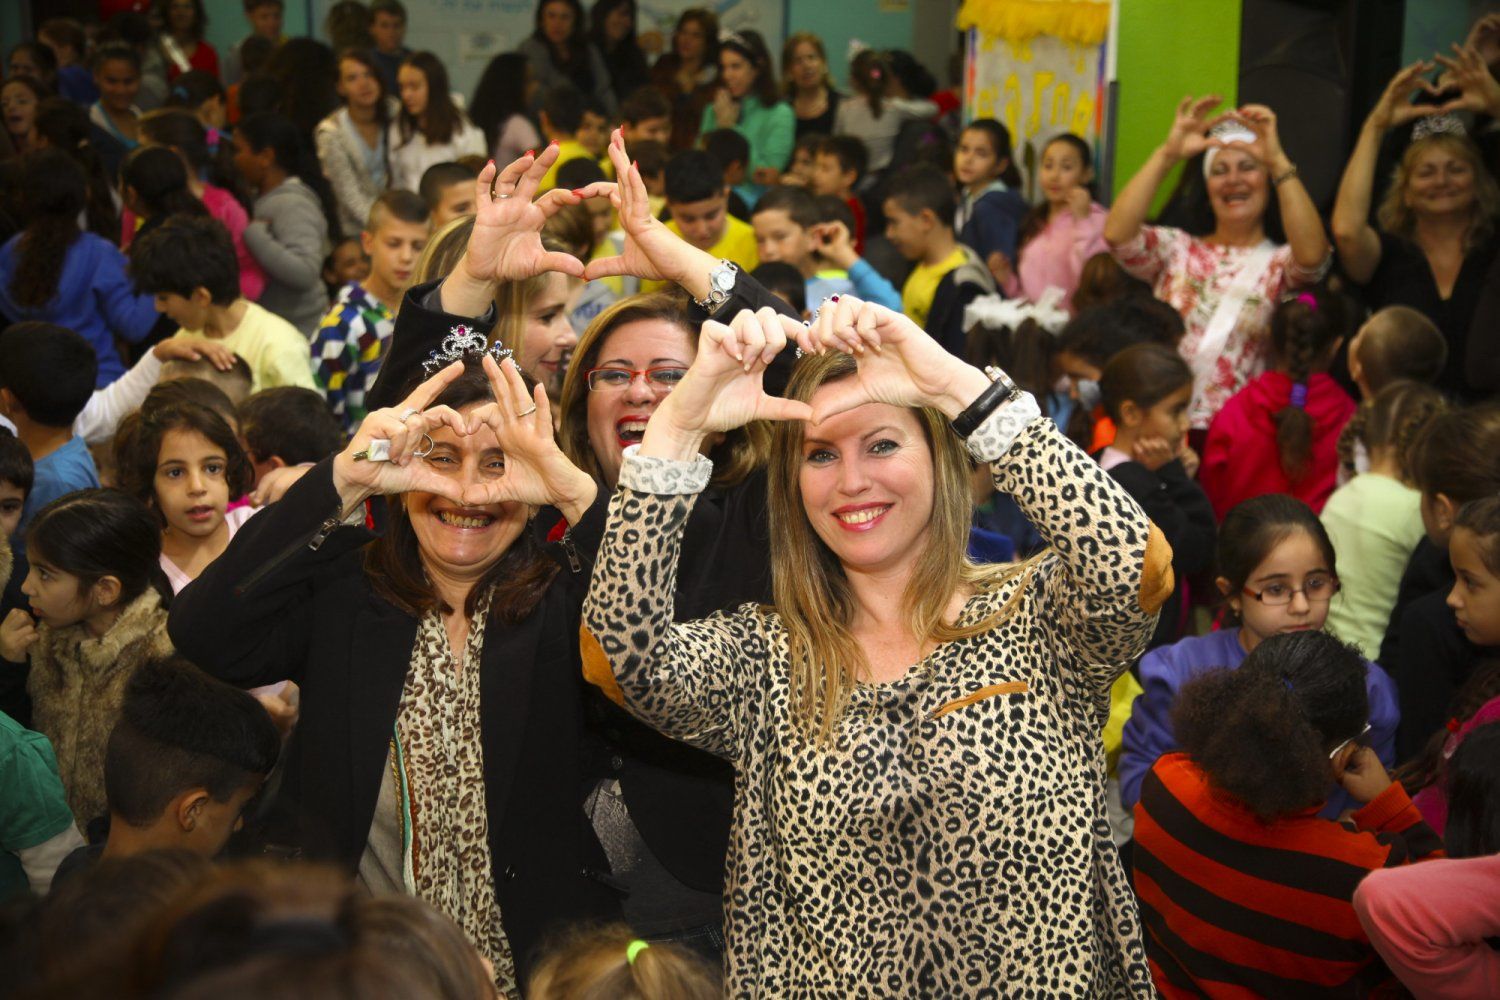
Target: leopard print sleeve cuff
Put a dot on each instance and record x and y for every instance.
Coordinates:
(993, 438)
(664, 476)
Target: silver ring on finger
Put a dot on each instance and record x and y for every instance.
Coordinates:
(527, 413)
(426, 450)
(408, 413)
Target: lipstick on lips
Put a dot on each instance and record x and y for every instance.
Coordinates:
(861, 516)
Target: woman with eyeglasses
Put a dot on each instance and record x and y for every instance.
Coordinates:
(1276, 576)
(1245, 889)
(660, 808)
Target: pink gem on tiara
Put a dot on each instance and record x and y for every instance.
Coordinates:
(462, 341)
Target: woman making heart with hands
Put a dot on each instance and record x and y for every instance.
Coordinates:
(885, 712)
(1226, 283)
(441, 741)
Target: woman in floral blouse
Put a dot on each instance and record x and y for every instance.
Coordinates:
(1226, 282)
(919, 805)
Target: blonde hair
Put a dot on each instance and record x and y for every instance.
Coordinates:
(443, 251)
(789, 54)
(1397, 218)
(812, 593)
(742, 451)
(594, 964)
(513, 303)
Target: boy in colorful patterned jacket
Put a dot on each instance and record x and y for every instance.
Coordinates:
(350, 343)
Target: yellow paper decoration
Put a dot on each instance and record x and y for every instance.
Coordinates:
(1081, 22)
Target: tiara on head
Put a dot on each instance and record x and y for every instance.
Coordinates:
(1231, 130)
(1437, 125)
(462, 342)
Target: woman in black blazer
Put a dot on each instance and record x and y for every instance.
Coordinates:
(438, 658)
(678, 799)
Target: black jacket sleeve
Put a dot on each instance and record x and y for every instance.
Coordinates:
(751, 294)
(1482, 350)
(247, 619)
(1178, 506)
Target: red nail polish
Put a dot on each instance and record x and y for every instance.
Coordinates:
(578, 192)
(552, 143)
(531, 152)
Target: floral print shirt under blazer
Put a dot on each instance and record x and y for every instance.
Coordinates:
(1190, 274)
(953, 841)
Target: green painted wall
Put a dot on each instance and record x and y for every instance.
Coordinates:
(1432, 25)
(227, 24)
(838, 21)
(1167, 50)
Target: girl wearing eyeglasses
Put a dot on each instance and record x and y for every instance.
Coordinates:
(1277, 575)
(1244, 891)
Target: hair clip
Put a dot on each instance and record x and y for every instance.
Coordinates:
(1433, 125)
(462, 342)
(1299, 395)
(634, 949)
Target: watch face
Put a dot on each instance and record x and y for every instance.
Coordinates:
(723, 280)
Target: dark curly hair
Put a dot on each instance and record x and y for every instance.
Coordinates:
(56, 192)
(1262, 733)
(137, 448)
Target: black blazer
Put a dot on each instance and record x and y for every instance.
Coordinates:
(289, 598)
(680, 798)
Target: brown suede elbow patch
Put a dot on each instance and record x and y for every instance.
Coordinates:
(596, 668)
(1157, 579)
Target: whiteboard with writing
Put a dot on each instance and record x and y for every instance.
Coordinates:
(466, 34)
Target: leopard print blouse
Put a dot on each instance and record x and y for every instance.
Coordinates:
(953, 841)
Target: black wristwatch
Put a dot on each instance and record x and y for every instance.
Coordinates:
(1001, 391)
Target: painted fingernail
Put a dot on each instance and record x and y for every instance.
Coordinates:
(552, 143)
(531, 152)
(578, 192)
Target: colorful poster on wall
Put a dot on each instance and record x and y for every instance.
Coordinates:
(1038, 67)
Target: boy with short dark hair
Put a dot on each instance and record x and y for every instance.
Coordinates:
(288, 426)
(790, 229)
(350, 343)
(188, 264)
(839, 163)
(948, 275)
(186, 756)
(447, 189)
(732, 150)
(645, 115)
(16, 476)
(265, 17)
(46, 378)
(388, 32)
(785, 282)
(576, 124)
(651, 159)
(698, 201)
(1394, 343)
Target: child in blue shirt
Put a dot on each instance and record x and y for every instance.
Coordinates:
(46, 378)
(790, 227)
(1277, 575)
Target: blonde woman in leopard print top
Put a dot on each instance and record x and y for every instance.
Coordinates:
(919, 803)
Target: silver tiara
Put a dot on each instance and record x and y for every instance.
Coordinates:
(1437, 125)
(462, 342)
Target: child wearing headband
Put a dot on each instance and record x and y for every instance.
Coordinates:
(1279, 434)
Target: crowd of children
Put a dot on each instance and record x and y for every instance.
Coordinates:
(207, 270)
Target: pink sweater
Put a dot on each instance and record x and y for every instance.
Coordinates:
(222, 206)
(1054, 257)
(1432, 801)
(1240, 457)
(1429, 922)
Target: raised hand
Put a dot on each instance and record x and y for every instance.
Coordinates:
(404, 428)
(1363, 776)
(506, 244)
(652, 252)
(898, 363)
(1478, 90)
(1081, 202)
(1188, 135)
(537, 473)
(1262, 121)
(999, 266)
(1484, 38)
(724, 388)
(833, 241)
(17, 634)
(1395, 107)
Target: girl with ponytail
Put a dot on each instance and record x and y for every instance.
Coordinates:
(1279, 434)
